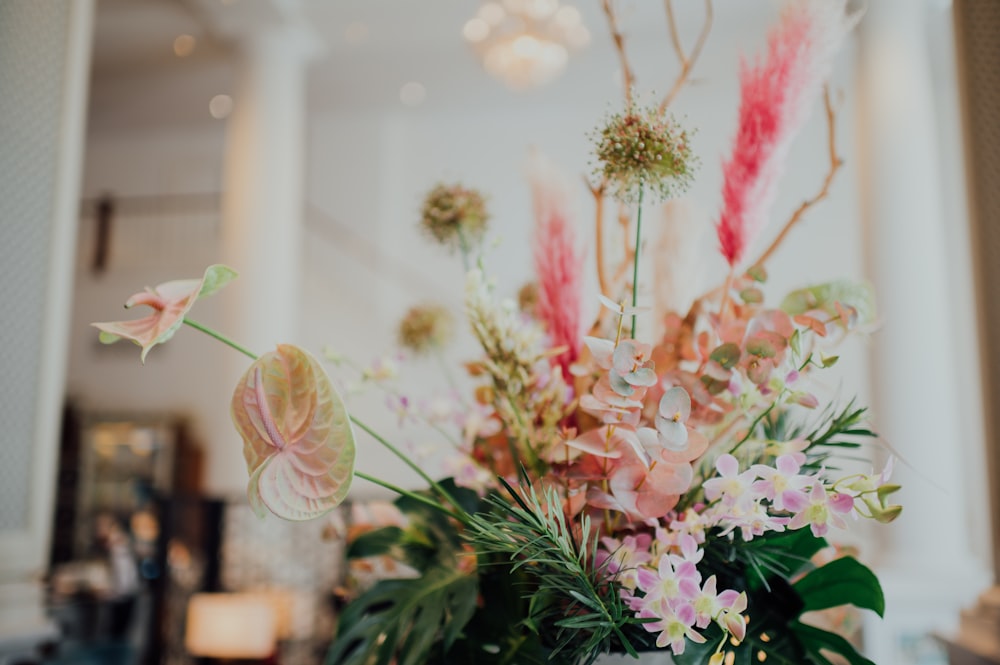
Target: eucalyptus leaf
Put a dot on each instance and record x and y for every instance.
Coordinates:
(859, 295)
(726, 355)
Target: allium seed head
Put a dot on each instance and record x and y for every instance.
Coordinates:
(454, 215)
(641, 148)
(425, 328)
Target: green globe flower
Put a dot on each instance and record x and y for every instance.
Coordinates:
(643, 149)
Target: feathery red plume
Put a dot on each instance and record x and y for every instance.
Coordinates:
(775, 97)
(558, 264)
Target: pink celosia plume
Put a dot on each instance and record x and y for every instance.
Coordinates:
(558, 263)
(776, 95)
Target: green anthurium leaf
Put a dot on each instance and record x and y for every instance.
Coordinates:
(400, 621)
(297, 437)
(843, 581)
(216, 276)
(726, 355)
(859, 295)
(374, 543)
(815, 640)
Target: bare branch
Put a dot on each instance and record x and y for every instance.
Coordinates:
(598, 193)
(619, 40)
(835, 164)
(687, 60)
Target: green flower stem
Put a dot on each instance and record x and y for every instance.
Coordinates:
(463, 247)
(442, 492)
(446, 371)
(393, 449)
(411, 495)
(222, 338)
(635, 263)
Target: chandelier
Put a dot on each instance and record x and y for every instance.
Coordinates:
(525, 43)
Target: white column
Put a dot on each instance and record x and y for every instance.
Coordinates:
(44, 62)
(925, 562)
(262, 207)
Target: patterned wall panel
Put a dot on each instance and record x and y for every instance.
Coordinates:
(33, 51)
(978, 38)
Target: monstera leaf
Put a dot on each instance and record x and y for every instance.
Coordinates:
(297, 436)
(402, 620)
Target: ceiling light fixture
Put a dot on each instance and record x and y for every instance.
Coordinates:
(525, 43)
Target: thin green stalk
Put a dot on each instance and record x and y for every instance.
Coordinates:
(446, 371)
(394, 393)
(442, 492)
(463, 246)
(411, 495)
(635, 263)
(219, 336)
(393, 449)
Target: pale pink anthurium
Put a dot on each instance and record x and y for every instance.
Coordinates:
(297, 437)
(170, 302)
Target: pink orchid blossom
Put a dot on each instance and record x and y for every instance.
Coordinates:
(724, 608)
(731, 486)
(730, 617)
(782, 485)
(674, 584)
(824, 508)
(622, 559)
(170, 302)
(675, 625)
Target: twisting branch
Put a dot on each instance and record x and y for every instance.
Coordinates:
(598, 193)
(687, 60)
(619, 40)
(835, 164)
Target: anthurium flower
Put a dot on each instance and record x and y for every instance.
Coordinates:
(297, 436)
(170, 302)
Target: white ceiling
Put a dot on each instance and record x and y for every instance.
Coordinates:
(138, 82)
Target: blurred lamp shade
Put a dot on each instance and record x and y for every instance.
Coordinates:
(230, 625)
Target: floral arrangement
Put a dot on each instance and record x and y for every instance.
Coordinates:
(611, 493)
